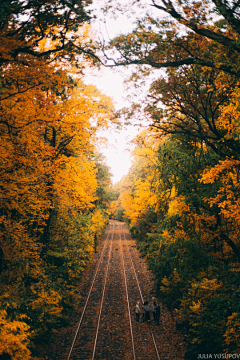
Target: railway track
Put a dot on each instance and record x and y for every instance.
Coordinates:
(136, 288)
(90, 293)
(172, 345)
(107, 328)
(104, 326)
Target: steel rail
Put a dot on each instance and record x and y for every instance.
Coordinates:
(101, 306)
(140, 292)
(86, 303)
(129, 312)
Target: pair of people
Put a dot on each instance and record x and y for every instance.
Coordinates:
(146, 310)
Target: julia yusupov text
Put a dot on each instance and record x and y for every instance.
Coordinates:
(218, 356)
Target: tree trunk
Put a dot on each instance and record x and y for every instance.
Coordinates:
(231, 244)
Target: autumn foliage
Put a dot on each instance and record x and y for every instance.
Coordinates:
(181, 196)
(50, 209)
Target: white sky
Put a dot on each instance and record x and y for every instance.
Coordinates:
(117, 153)
(110, 82)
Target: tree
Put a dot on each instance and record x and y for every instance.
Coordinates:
(189, 236)
(48, 190)
(103, 177)
(25, 25)
(190, 102)
(192, 243)
(195, 33)
(137, 189)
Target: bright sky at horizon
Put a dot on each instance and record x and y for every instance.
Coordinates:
(110, 82)
(117, 153)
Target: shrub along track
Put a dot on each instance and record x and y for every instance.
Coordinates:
(101, 328)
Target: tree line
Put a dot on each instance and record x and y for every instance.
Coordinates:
(181, 196)
(53, 179)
